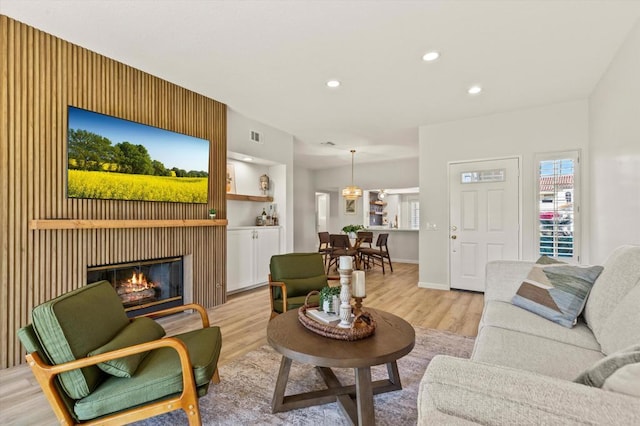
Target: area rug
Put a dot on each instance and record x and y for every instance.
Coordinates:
(243, 397)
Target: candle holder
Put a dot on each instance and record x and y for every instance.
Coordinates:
(345, 298)
(357, 310)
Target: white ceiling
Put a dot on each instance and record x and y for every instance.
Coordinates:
(270, 60)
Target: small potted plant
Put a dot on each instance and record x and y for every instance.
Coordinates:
(326, 298)
(352, 229)
(212, 213)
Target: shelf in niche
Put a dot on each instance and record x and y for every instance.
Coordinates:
(258, 198)
(38, 224)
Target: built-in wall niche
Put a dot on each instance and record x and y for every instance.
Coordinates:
(247, 172)
(392, 208)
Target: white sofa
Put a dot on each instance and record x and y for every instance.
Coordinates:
(523, 366)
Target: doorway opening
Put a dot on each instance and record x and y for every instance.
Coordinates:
(322, 211)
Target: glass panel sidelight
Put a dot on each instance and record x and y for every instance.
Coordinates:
(557, 212)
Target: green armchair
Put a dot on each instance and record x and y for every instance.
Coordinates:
(292, 277)
(96, 366)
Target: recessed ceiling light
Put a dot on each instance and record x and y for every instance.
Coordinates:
(474, 90)
(431, 56)
(248, 159)
(333, 83)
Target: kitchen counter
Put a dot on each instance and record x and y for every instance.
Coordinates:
(385, 229)
(230, 228)
(402, 243)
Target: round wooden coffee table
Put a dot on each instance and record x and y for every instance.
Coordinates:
(393, 339)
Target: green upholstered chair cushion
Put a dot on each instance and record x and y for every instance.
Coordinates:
(74, 324)
(157, 376)
(140, 330)
(301, 272)
(31, 343)
(300, 287)
(294, 302)
(29, 339)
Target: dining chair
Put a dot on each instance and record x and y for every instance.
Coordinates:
(364, 240)
(378, 255)
(341, 246)
(325, 246)
(365, 237)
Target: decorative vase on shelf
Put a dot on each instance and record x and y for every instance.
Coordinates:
(212, 213)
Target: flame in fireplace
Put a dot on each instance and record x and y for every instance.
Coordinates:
(138, 280)
(136, 284)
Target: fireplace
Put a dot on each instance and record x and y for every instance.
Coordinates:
(144, 286)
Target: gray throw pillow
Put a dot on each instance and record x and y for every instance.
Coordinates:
(546, 260)
(625, 380)
(597, 374)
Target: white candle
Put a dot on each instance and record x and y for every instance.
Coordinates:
(346, 262)
(358, 284)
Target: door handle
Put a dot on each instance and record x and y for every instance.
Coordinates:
(453, 237)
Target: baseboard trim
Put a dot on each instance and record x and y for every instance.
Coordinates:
(414, 261)
(433, 286)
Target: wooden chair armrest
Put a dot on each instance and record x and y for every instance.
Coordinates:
(283, 289)
(195, 306)
(56, 369)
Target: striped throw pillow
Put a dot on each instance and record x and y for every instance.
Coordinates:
(557, 292)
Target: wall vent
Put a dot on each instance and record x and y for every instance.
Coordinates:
(256, 137)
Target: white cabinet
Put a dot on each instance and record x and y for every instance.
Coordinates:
(267, 244)
(249, 251)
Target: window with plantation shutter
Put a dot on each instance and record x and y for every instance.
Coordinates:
(558, 200)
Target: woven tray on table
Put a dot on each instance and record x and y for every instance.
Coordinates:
(362, 326)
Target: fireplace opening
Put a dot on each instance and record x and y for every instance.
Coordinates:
(144, 286)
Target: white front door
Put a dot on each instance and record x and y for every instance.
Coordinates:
(484, 218)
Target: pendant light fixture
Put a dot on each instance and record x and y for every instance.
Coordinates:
(352, 192)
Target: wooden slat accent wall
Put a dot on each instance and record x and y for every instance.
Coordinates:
(40, 75)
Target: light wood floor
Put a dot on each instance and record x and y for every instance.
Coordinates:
(243, 320)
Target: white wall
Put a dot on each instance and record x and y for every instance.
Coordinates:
(614, 144)
(305, 236)
(277, 147)
(523, 133)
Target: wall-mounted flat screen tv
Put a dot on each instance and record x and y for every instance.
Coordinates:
(115, 159)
